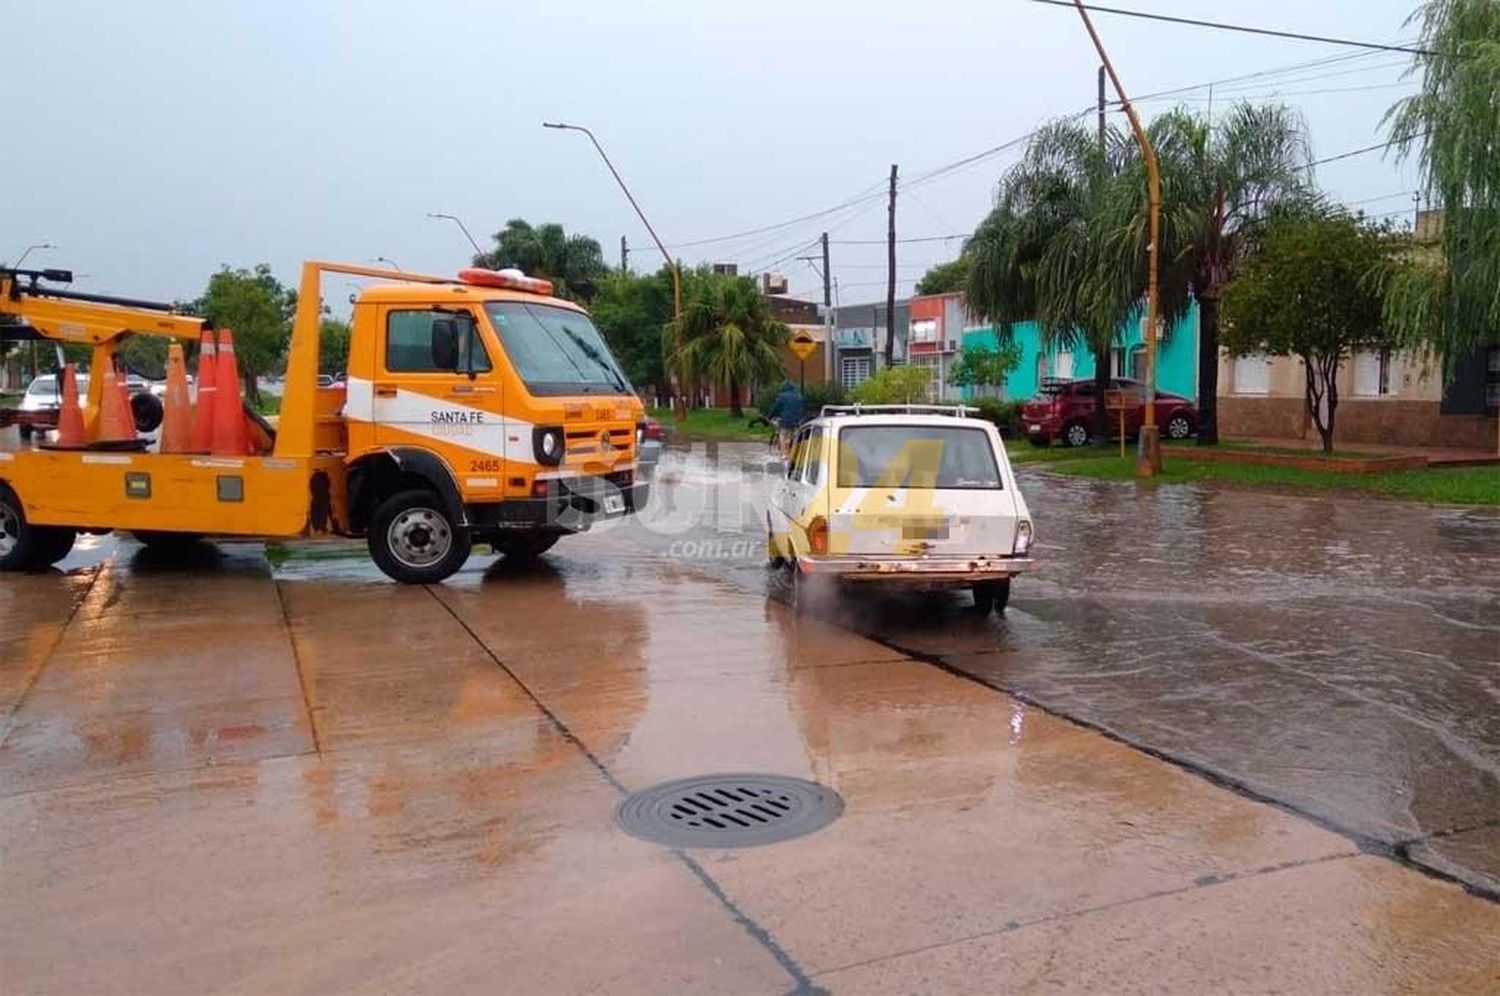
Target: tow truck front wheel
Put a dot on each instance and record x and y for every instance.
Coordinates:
(414, 540)
(24, 546)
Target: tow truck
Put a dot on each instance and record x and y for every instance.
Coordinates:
(477, 408)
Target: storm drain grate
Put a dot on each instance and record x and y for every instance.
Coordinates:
(729, 810)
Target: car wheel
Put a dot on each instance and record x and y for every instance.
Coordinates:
(1076, 434)
(24, 546)
(24, 431)
(414, 540)
(991, 596)
(524, 545)
(1179, 426)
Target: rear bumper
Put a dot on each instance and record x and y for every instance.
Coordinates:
(1041, 428)
(920, 570)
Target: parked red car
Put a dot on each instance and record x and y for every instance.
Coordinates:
(1064, 409)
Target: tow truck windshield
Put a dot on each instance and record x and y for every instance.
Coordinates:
(556, 351)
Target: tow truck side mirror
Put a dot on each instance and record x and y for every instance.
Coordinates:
(445, 344)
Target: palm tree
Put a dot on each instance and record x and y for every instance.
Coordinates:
(572, 262)
(1051, 249)
(726, 333)
(1221, 183)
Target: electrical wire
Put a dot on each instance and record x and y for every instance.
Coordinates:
(1245, 29)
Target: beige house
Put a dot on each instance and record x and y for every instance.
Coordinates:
(1384, 397)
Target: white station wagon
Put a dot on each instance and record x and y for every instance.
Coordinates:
(919, 495)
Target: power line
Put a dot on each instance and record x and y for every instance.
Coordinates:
(1291, 93)
(881, 242)
(1358, 152)
(1221, 26)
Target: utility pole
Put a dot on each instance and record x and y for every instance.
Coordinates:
(1101, 108)
(624, 256)
(890, 284)
(827, 312)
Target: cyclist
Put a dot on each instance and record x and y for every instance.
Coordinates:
(786, 414)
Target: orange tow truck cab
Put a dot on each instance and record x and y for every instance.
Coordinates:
(479, 408)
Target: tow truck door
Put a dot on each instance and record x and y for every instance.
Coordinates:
(435, 386)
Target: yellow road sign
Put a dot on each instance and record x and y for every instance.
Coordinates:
(802, 344)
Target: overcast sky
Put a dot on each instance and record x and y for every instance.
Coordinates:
(153, 142)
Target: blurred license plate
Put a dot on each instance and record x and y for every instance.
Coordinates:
(614, 504)
(1033, 428)
(925, 531)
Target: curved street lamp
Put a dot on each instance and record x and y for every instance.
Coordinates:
(29, 250)
(1148, 458)
(681, 407)
(462, 227)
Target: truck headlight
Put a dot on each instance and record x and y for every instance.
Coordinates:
(1023, 539)
(547, 443)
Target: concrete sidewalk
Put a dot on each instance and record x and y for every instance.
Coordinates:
(359, 787)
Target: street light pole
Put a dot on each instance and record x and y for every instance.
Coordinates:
(462, 227)
(1148, 455)
(680, 404)
(17, 266)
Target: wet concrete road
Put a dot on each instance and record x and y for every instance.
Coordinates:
(1338, 656)
(217, 779)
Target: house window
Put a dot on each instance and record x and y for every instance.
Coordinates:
(1372, 373)
(1041, 368)
(1065, 366)
(924, 330)
(855, 370)
(1252, 374)
(1137, 363)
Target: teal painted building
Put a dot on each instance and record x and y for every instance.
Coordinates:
(1176, 357)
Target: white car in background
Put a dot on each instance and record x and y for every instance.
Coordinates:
(917, 495)
(44, 394)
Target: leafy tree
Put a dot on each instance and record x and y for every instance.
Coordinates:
(258, 309)
(895, 386)
(727, 333)
(1221, 184)
(1055, 247)
(633, 312)
(333, 346)
(1308, 293)
(145, 355)
(944, 278)
(574, 263)
(1450, 303)
(985, 367)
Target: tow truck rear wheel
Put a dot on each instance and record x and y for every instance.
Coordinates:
(991, 596)
(24, 546)
(414, 540)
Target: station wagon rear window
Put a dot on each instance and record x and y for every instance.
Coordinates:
(916, 456)
(556, 350)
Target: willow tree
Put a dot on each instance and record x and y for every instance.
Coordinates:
(1050, 249)
(1449, 302)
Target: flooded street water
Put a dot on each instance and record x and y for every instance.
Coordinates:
(1339, 656)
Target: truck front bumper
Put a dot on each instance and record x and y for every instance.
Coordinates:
(917, 570)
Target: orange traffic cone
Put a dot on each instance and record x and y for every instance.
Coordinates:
(203, 415)
(69, 416)
(230, 438)
(176, 426)
(116, 425)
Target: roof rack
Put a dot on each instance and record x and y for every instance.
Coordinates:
(957, 411)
